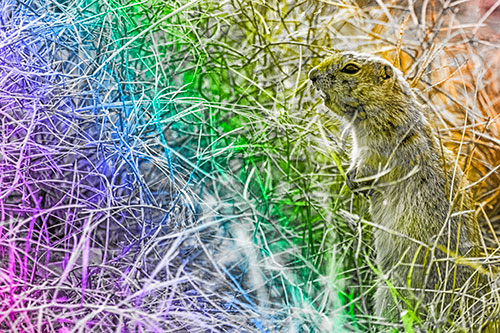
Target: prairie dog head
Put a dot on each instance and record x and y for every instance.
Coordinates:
(359, 86)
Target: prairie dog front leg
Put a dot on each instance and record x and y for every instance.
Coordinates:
(353, 180)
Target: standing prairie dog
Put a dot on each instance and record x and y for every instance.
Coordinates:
(428, 236)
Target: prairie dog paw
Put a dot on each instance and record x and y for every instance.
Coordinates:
(350, 179)
(360, 187)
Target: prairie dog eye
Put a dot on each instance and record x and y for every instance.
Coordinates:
(350, 69)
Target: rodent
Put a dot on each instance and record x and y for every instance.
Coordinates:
(428, 236)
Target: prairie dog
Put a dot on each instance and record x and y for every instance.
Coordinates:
(428, 236)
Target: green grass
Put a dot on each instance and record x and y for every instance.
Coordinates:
(288, 153)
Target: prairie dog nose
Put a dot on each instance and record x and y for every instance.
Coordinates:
(313, 75)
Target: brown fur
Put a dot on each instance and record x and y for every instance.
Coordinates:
(416, 192)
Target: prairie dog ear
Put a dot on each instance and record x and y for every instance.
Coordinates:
(386, 72)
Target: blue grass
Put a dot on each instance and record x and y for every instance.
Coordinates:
(123, 207)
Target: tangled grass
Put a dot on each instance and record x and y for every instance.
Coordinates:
(166, 167)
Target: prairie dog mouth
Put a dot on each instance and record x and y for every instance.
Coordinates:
(324, 95)
(318, 86)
